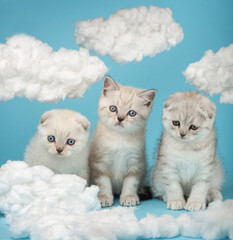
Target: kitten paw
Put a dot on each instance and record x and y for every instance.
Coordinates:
(176, 204)
(195, 205)
(129, 200)
(214, 194)
(105, 200)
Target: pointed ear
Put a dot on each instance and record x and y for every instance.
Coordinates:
(109, 85)
(148, 97)
(46, 116)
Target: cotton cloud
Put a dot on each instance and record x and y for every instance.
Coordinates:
(214, 73)
(130, 34)
(30, 68)
(42, 205)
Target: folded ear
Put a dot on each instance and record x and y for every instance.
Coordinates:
(208, 109)
(109, 85)
(46, 116)
(85, 123)
(148, 97)
(171, 102)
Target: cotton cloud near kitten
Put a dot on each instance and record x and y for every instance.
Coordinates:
(42, 205)
(213, 73)
(30, 68)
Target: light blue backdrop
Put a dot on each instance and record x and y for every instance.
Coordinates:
(207, 24)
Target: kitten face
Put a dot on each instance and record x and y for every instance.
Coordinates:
(188, 116)
(63, 132)
(124, 108)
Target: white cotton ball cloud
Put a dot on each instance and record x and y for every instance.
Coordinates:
(130, 34)
(214, 73)
(42, 205)
(30, 68)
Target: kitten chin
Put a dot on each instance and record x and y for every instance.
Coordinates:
(61, 143)
(186, 162)
(117, 158)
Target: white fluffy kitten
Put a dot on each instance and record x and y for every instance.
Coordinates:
(187, 165)
(117, 158)
(61, 143)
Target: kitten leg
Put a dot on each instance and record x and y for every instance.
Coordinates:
(174, 196)
(105, 195)
(129, 196)
(197, 198)
(214, 194)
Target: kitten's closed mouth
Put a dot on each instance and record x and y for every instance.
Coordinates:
(119, 124)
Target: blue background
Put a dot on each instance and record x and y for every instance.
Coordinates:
(207, 24)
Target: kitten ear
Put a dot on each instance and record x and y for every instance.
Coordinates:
(85, 123)
(109, 85)
(208, 109)
(169, 102)
(45, 117)
(148, 97)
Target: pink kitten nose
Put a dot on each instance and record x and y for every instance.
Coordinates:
(120, 119)
(182, 134)
(59, 149)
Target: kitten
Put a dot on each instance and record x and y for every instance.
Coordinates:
(61, 143)
(117, 158)
(187, 165)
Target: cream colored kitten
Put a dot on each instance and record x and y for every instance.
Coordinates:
(61, 143)
(187, 165)
(117, 158)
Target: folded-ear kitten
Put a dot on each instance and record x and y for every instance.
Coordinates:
(187, 166)
(61, 143)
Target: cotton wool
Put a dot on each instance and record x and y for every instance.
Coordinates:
(214, 73)
(130, 34)
(31, 68)
(42, 205)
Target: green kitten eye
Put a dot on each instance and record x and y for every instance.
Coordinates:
(113, 108)
(71, 141)
(132, 113)
(176, 123)
(193, 127)
(51, 138)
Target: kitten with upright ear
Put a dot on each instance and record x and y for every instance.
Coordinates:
(117, 157)
(61, 143)
(187, 174)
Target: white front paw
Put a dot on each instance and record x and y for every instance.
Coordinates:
(105, 200)
(195, 205)
(129, 200)
(176, 204)
(214, 194)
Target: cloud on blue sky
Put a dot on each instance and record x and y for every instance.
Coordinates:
(130, 34)
(214, 73)
(30, 68)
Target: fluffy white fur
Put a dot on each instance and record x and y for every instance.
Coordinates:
(187, 166)
(30, 68)
(213, 73)
(130, 34)
(42, 205)
(117, 157)
(59, 156)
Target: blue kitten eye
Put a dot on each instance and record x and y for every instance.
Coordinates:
(71, 141)
(113, 108)
(132, 113)
(51, 138)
